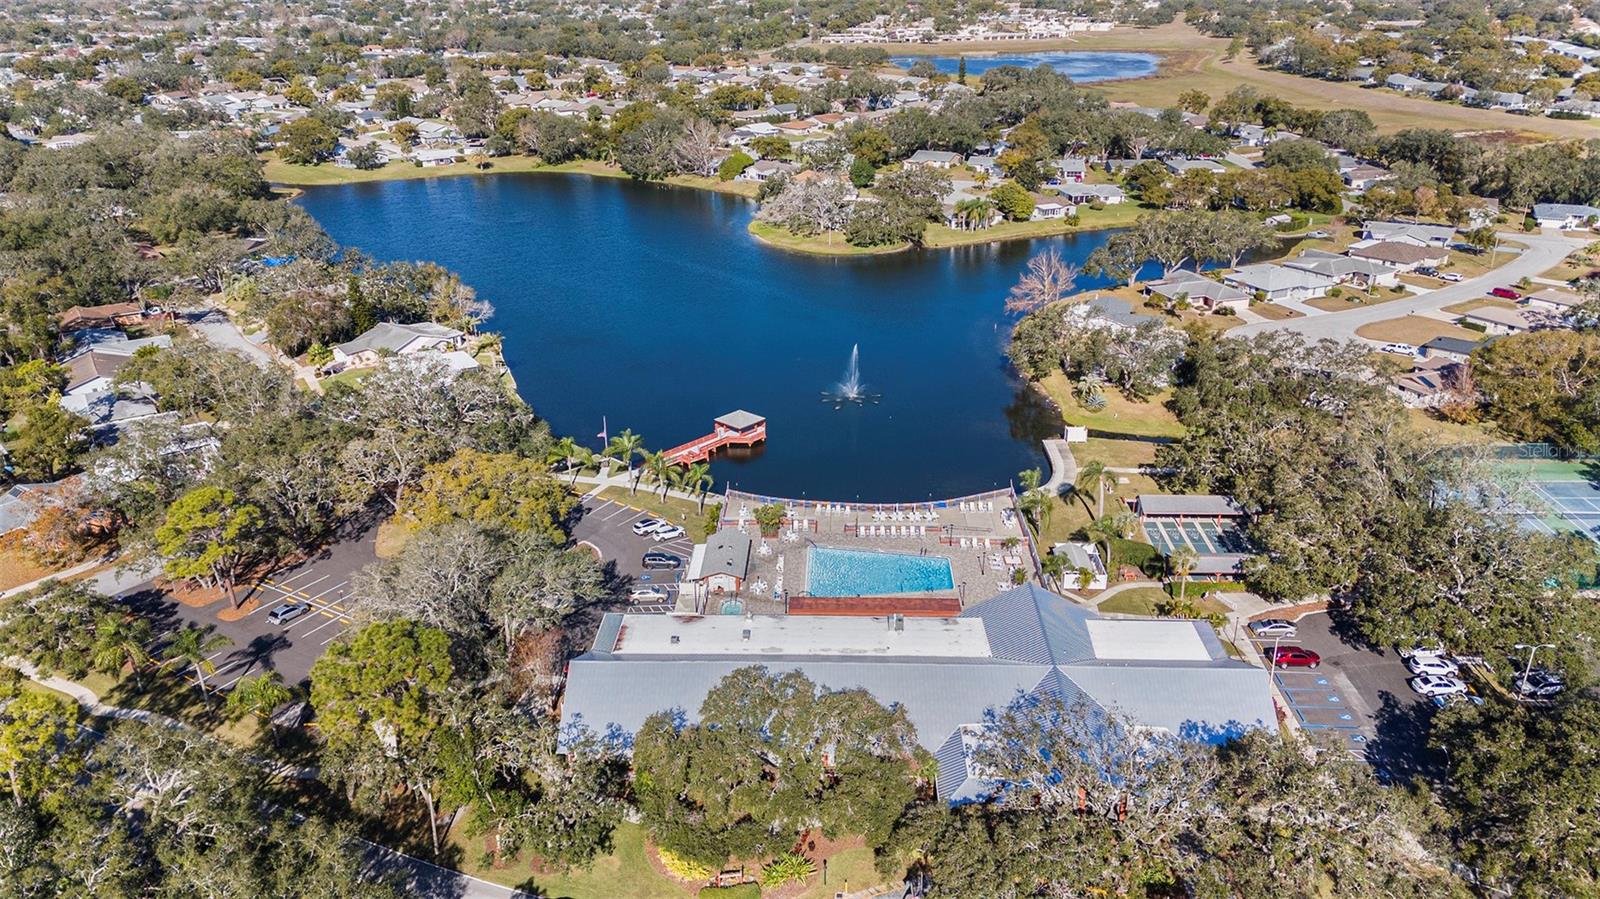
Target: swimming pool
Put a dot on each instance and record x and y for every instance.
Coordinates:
(848, 572)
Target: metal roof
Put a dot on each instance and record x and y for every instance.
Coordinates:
(1164, 504)
(739, 419)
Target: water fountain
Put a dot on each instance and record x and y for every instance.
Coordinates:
(850, 389)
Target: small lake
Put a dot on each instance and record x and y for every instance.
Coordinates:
(651, 307)
(1082, 66)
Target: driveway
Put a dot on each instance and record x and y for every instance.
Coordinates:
(1545, 251)
(1361, 696)
(607, 526)
(217, 328)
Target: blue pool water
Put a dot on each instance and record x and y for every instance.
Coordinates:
(846, 572)
(1082, 66)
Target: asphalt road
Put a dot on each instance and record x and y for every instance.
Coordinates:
(1545, 251)
(256, 644)
(1361, 696)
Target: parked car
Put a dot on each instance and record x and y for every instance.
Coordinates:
(667, 532)
(1431, 664)
(647, 594)
(1268, 628)
(1505, 293)
(1449, 699)
(1537, 684)
(1423, 652)
(1451, 277)
(655, 559)
(288, 612)
(1293, 657)
(647, 526)
(1431, 685)
(1400, 349)
(1429, 271)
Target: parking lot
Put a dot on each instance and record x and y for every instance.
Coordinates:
(607, 526)
(255, 644)
(1358, 695)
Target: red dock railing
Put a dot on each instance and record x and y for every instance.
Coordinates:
(700, 449)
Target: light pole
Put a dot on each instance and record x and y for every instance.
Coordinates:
(1532, 648)
(1272, 661)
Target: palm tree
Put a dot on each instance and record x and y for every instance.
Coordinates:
(1109, 528)
(660, 468)
(562, 451)
(1094, 477)
(623, 448)
(697, 478)
(1054, 566)
(194, 646)
(1181, 562)
(582, 457)
(121, 641)
(258, 695)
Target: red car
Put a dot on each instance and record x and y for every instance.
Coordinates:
(1293, 657)
(1505, 293)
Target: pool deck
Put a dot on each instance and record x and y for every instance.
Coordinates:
(969, 532)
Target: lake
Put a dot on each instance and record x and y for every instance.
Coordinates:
(1082, 66)
(649, 307)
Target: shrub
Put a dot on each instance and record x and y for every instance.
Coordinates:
(1336, 292)
(770, 518)
(1094, 402)
(713, 517)
(683, 868)
(735, 164)
(790, 867)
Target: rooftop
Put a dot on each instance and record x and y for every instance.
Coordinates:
(800, 635)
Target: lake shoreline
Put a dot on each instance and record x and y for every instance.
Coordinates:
(942, 237)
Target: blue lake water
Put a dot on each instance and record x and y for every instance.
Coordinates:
(1082, 66)
(650, 306)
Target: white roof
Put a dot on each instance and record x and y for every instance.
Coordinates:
(1146, 641)
(801, 635)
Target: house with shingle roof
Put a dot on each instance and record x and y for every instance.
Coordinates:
(396, 339)
(947, 673)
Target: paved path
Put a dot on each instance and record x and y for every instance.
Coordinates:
(217, 328)
(1545, 251)
(1063, 467)
(1243, 162)
(53, 576)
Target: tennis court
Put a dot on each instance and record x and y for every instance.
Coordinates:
(1207, 537)
(1570, 506)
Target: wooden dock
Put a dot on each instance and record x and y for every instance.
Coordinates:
(737, 428)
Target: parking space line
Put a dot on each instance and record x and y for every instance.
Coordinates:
(335, 619)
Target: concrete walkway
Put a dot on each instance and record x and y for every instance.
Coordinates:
(1063, 467)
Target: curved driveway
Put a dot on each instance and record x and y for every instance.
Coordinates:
(1545, 251)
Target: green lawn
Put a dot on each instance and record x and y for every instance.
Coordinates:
(626, 872)
(831, 243)
(1143, 601)
(1142, 418)
(679, 511)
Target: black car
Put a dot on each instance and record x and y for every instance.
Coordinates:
(658, 560)
(288, 612)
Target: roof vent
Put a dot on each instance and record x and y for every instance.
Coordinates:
(745, 635)
(676, 639)
(897, 622)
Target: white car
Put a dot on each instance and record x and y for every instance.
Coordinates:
(1400, 349)
(1423, 652)
(1435, 665)
(667, 532)
(647, 525)
(647, 594)
(1269, 628)
(1450, 276)
(1434, 685)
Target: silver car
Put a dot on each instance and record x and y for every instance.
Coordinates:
(1272, 628)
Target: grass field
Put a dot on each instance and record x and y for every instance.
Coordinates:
(831, 243)
(680, 511)
(18, 568)
(1415, 330)
(1142, 418)
(1352, 299)
(1144, 600)
(280, 172)
(1466, 306)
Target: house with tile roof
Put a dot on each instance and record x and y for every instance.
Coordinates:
(947, 673)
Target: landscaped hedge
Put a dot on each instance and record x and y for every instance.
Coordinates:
(737, 891)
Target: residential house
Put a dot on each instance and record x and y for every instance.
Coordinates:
(1107, 194)
(1362, 273)
(1402, 257)
(1565, 216)
(1431, 384)
(987, 165)
(1179, 166)
(1403, 83)
(1554, 301)
(109, 315)
(1071, 169)
(434, 157)
(1365, 177)
(1499, 320)
(937, 159)
(948, 674)
(1277, 283)
(1410, 232)
(393, 338)
(1450, 349)
(799, 127)
(90, 372)
(1199, 291)
(1050, 206)
(766, 169)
